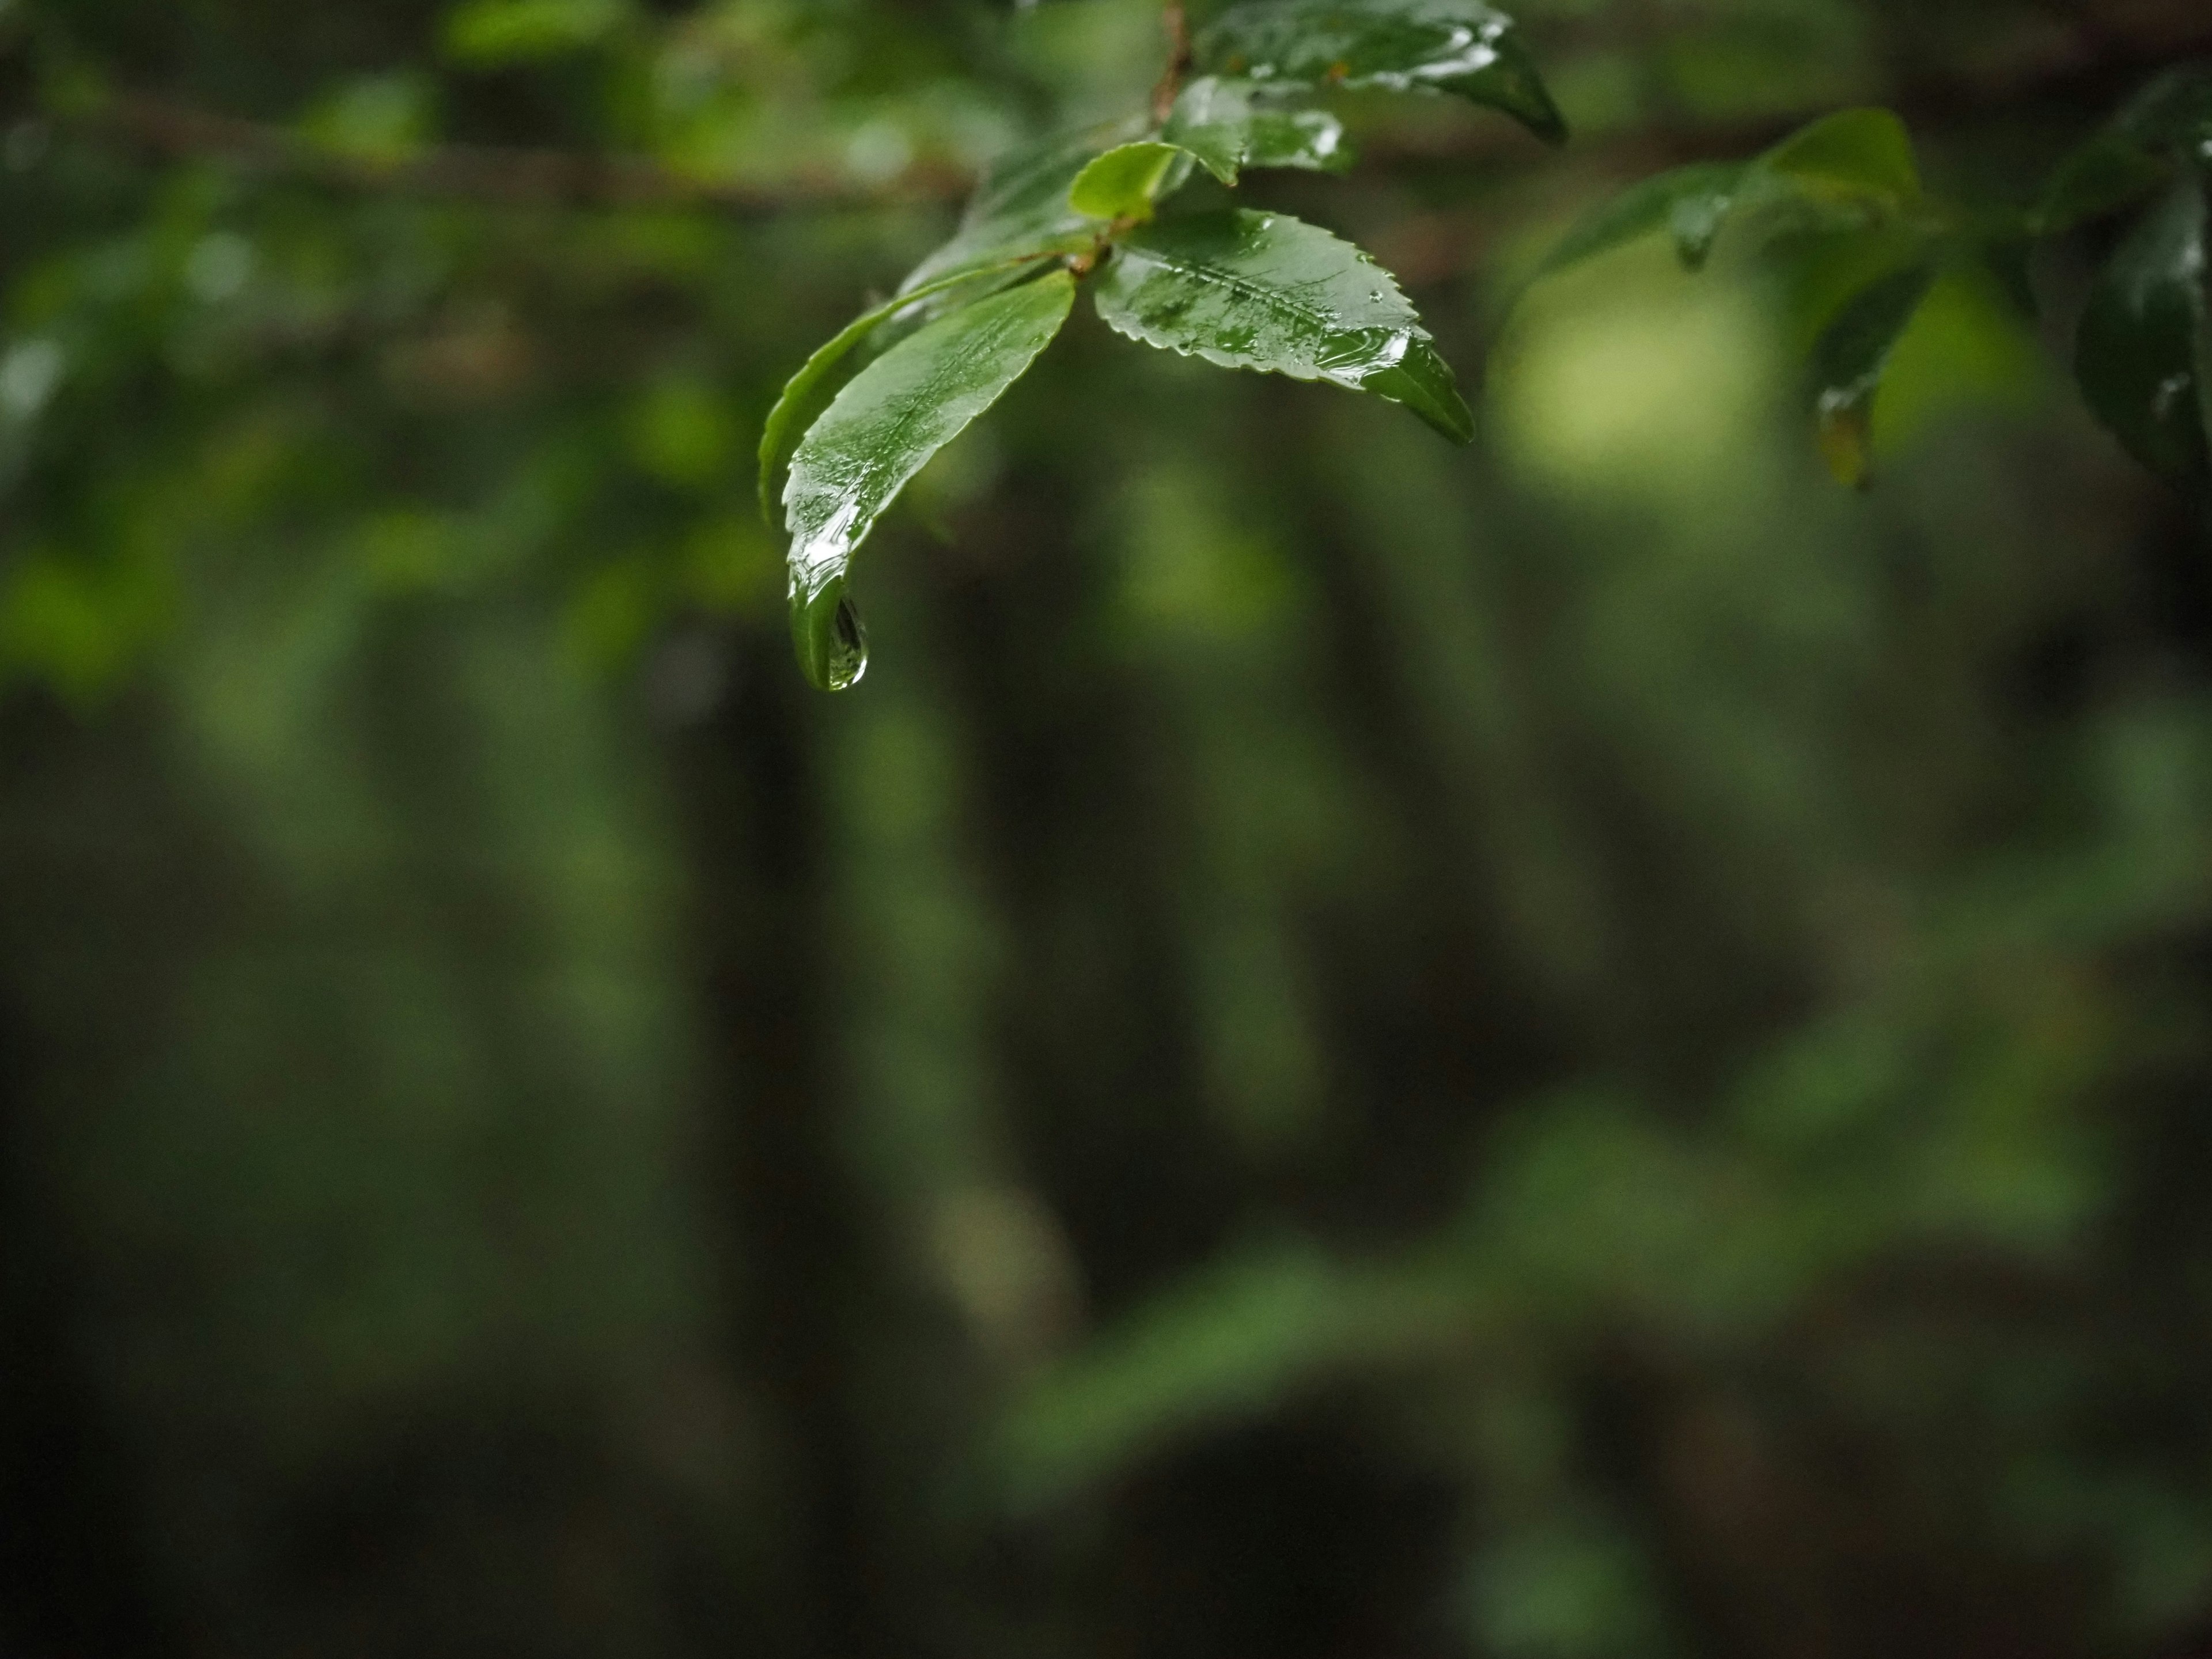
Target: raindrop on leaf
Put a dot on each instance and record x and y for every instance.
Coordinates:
(831, 640)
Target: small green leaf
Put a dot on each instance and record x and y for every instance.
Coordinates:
(882, 428)
(1690, 202)
(1847, 367)
(494, 31)
(2170, 120)
(1458, 46)
(1228, 125)
(808, 392)
(1855, 154)
(2106, 174)
(1266, 291)
(1022, 208)
(1123, 184)
(2140, 352)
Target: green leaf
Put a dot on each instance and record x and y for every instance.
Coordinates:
(1122, 184)
(2106, 174)
(1690, 202)
(1228, 125)
(1022, 209)
(1265, 291)
(2134, 154)
(2140, 352)
(882, 428)
(1855, 155)
(808, 392)
(494, 32)
(1458, 46)
(1847, 363)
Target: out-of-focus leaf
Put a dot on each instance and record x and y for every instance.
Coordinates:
(2106, 174)
(1848, 364)
(1266, 291)
(1228, 128)
(883, 427)
(1022, 209)
(1459, 46)
(2140, 353)
(809, 392)
(1230, 1342)
(491, 32)
(1853, 156)
(1123, 184)
(1847, 172)
(2170, 120)
(1691, 203)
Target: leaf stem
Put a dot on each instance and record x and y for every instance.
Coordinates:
(1176, 21)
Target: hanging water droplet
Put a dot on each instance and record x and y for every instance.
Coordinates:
(848, 647)
(831, 641)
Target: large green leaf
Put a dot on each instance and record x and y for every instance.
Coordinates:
(882, 428)
(1230, 125)
(1459, 46)
(1847, 363)
(2140, 353)
(1266, 291)
(809, 392)
(1022, 209)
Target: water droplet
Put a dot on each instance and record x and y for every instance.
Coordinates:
(1846, 433)
(831, 641)
(848, 647)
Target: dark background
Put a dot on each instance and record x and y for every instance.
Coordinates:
(1591, 1048)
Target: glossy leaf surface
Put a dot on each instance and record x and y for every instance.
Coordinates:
(1848, 364)
(1023, 208)
(882, 428)
(1691, 203)
(1123, 184)
(808, 392)
(1266, 291)
(1230, 125)
(1457, 47)
(2142, 348)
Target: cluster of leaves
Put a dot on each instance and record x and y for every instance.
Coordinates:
(1241, 288)
(1842, 202)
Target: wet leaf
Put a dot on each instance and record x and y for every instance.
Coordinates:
(1229, 125)
(1123, 184)
(1691, 203)
(1022, 208)
(1266, 291)
(879, 432)
(809, 392)
(1847, 367)
(2140, 352)
(1457, 47)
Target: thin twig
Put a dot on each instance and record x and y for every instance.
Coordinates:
(517, 176)
(1177, 22)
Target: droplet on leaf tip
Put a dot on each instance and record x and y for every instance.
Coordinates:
(831, 641)
(1846, 433)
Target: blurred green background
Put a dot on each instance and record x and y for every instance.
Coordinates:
(1590, 1048)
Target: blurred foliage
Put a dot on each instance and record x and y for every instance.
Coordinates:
(1590, 1046)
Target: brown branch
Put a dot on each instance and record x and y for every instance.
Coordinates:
(521, 177)
(1177, 22)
